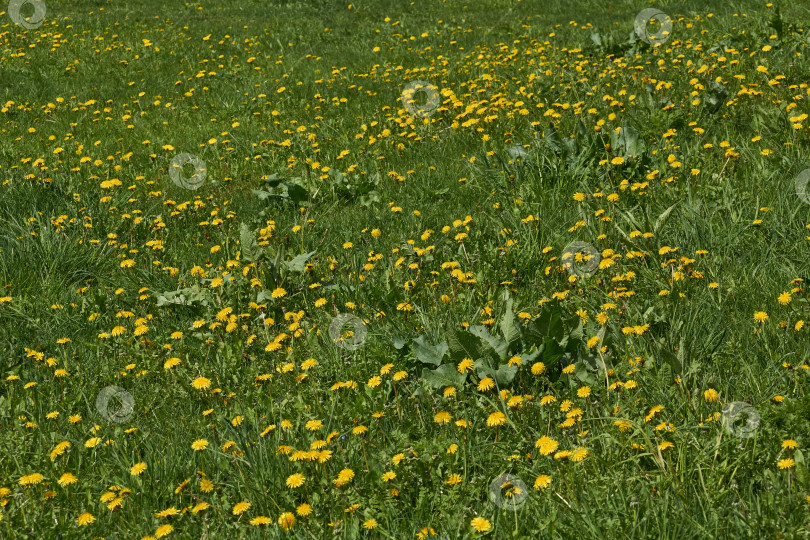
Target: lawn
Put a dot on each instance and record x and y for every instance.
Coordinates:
(431, 269)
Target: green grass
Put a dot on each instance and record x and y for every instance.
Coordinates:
(443, 243)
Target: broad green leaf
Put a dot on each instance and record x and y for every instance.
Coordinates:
(551, 352)
(499, 346)
(577, 331)
(445, 375)
(591, 362)
(508, 326)
(399, 342)
(553, 138)
(369, 198)
(802, 474)
(247, 243)
(464, 345)
(662, 219)
(670, 358)
(504, 374)
(582, 374)
(532, 355)
(296, 190)
(548, 323)
(299, 263)
(428, 353)
(186, 297)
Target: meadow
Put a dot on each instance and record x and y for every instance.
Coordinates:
(430, 269)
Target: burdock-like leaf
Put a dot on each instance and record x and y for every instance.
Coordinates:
(427, 353)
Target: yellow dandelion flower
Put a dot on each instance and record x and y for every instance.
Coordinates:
(344, 477)
(486, 384)
(579, 454)
(542, 482)
(480, 524)
(442, 417)
(170, 363)
(240, 508)
(199, 445)
(546, 445)
(92, 442)
(278, 292)
(454, 479)
(85, 519)
(172, 511)
(286, 520)
(201, 383)
(67, 479)
(465, 365)
(786, 463)
(31, 479)
(295, 480)
(59, 449)
(538, 368)
(711, 395)
(496, 419)
(163, 530)
(789, 444)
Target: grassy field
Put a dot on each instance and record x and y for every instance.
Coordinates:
(256, 286)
